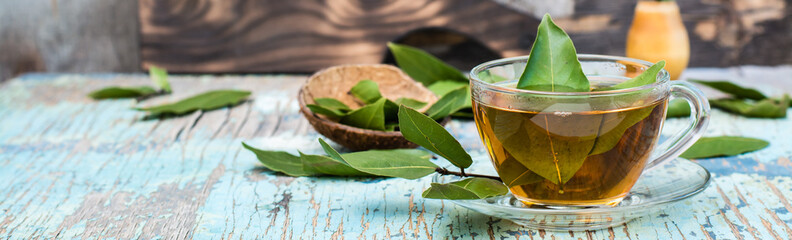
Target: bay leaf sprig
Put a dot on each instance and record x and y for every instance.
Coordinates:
(158, 76)
(206, 101)
(400, 163)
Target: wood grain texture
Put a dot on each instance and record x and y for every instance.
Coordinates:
(77, 168)
(68, 36)
(305, 36)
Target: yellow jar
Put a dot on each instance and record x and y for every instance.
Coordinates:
(657, 33)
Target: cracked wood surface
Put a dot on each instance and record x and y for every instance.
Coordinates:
(77, 168)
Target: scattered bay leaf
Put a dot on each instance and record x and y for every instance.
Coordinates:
(470, 188)
(427, 133)
(205, 101)
(678, 108)
(767, 108)
(122, 92)
(423, 67)
(708, 147)
(160, 78)
(279, 161)
(553, 62)
(733, 89)
(371, 116)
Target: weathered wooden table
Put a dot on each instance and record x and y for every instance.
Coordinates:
(71, 167)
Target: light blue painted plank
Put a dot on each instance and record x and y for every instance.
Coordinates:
(78, 168)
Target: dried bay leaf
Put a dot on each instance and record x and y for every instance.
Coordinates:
(206, 101)
(427, 133)
(122, 92)
(470, 188)
(371, 116)
(708, 147)
(422, 66)
(732, 89)
(553, 62)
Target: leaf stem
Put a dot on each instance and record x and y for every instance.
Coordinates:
(445, 171)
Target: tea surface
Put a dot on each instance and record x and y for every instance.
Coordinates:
(570, 158)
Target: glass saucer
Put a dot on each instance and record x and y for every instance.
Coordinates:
(674, 180)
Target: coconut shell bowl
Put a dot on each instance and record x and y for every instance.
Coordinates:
(335, 82)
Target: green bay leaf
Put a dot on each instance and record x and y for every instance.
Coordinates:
(553, 62)
(548, 147)
(449, 103)
(614, 125)
(332, 103)
(678, 108)
(371, 116)
(160, 78)
(427, 133)
(390, 163)
(645, 78)
(735, 90)
(443, 87)
(767, 108)
(279, 161)
(329, 112)
(122, 92)
(513, 173)
(470, 188)
(367, 91)
(324, 165)
(422, 66)
(409, 102)
(206, 101)
(708, 147)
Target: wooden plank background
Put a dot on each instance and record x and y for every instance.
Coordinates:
(222, 36)
(303, 36)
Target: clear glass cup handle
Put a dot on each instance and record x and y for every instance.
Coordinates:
(699, 118)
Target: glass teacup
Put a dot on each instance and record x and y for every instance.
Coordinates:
(578, 148)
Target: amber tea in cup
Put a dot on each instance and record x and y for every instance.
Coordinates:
(581, 148)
